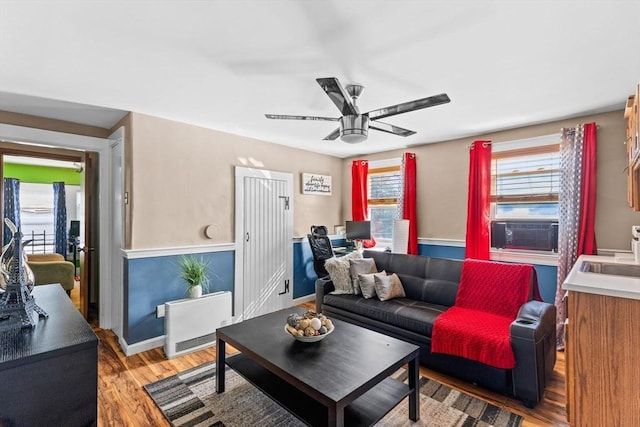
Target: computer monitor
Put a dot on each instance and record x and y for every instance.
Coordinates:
(358, 230)
(74, 229)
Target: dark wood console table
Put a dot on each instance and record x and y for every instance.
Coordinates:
(49, 376)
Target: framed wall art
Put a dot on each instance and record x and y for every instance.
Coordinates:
(313, 183)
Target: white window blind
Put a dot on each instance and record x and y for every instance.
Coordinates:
(383, 191)
(526, 176)
(384, 186)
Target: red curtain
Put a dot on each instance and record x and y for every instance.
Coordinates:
(479, 200)
(409, 210)
(359, 196)
(359, 207)
(586, 224)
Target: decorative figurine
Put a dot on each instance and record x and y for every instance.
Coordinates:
(7, 256)
(18, 309)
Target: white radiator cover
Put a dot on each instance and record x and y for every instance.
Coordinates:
(190, 324)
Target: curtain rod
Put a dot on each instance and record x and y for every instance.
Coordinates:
(485, 144)
(561, 129)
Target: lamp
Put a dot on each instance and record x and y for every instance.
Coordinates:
(354, 129)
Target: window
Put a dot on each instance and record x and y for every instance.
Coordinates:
(525, 183)
(36, 214)
(383, 190)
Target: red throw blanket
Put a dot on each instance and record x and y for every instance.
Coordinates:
(489, 297)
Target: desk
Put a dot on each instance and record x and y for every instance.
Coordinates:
(49, 376)
(340, 250)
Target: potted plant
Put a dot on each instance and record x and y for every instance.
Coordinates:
(194, 272)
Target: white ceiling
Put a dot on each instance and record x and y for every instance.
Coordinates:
(223, 64)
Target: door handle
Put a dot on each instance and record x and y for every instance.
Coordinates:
(286, 288)
(85, 249)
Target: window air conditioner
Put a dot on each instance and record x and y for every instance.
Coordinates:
(529, 235)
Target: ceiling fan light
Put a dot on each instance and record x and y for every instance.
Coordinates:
(353, 138)
(354, 129)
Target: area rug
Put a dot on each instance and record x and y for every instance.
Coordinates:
(190, 399)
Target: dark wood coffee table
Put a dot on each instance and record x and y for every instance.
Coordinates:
(342, 380)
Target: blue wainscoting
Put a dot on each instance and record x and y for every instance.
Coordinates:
(547, 274)
(439, 251)
(152, 281)
(304, 276)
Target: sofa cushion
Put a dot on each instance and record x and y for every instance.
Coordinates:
(440, 292)
(405, 313)
(408, 264)
(444, 269)
(360, 266)
(338, 269)
(368, 284)
(381, 258)
(388, 287)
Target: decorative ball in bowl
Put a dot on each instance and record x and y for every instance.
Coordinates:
(308, 327)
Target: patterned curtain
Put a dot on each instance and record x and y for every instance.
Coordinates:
(60, 218)
(11, 206)
(576, 208)
(406, 207)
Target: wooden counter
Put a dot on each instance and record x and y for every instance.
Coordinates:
(602, 344)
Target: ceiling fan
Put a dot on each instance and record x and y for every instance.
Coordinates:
(354, 127)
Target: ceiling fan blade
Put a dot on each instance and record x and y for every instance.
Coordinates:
(396, 130)
(333, 135)
(405, 107)
(287, 117)
(338, 95)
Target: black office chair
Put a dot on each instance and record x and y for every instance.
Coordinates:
(322, 250)
(319, 230)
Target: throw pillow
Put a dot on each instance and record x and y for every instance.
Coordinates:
(388, 287)
(367, 283)
(338, 269)
(361, 266)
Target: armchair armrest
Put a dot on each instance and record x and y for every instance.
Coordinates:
(46, 272)
(534, 319)
(324, 285)
(533, 338)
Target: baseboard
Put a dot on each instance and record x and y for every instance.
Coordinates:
(139, 347)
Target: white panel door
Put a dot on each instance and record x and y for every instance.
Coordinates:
(267, 240)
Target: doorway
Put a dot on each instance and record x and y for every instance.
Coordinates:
(36, 168)
(40, 138)
(264, 233)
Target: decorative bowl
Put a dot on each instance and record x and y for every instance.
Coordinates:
(313, 338)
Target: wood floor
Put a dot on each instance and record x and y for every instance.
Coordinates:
(123, 402)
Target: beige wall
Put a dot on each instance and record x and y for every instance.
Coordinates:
(183, 173)
(183, 180)
(443, 168)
